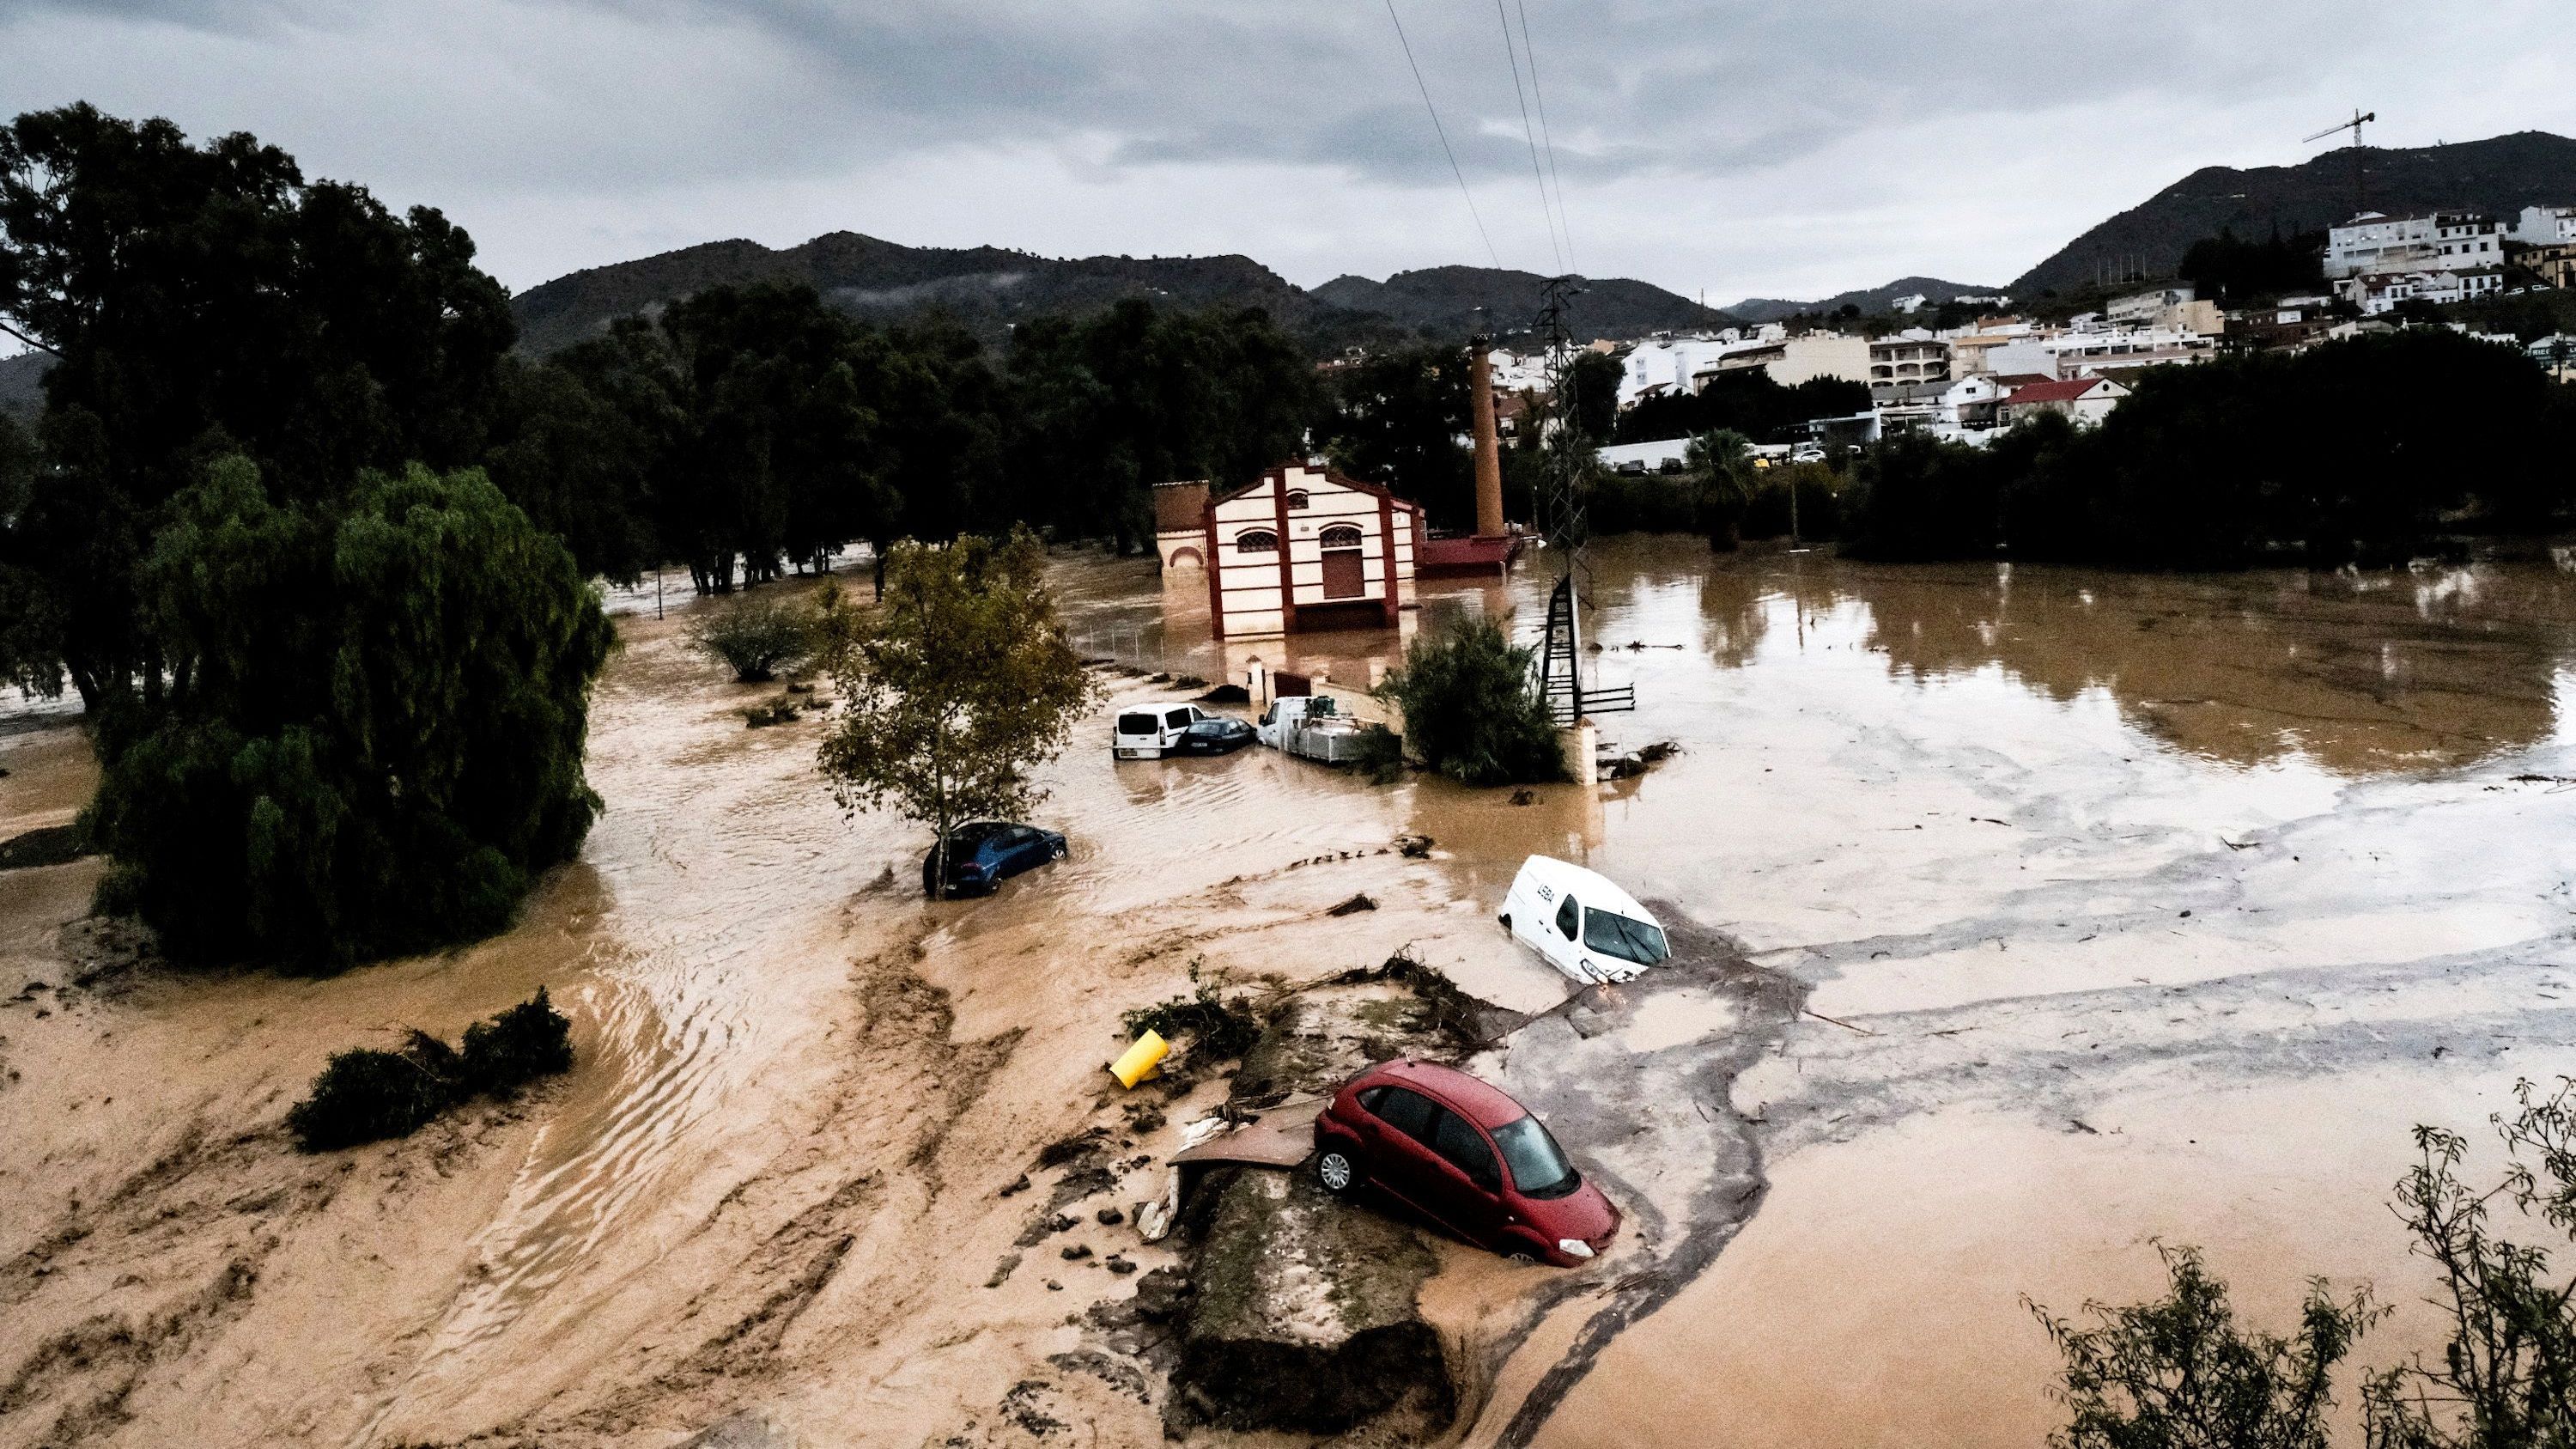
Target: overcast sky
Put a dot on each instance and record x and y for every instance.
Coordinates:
(1753, 147)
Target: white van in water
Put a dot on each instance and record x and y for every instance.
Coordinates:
(1146, 731)
(1586, 927)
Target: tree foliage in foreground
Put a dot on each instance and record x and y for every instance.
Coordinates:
(2180, 1373)
(1472, 708)
(2508, 1375)
(953, 687)
(372, 733)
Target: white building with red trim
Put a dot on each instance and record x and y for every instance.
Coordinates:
(1304, 548)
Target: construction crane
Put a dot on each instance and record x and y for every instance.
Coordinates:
(2360, 190)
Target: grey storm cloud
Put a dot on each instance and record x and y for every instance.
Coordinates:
(608, 125)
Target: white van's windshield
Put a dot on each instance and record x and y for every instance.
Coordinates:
(1625, 937)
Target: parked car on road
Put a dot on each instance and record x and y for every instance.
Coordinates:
(983, 853)
(1586, 927)
(1214, 735)
(1462, 1153)
(1148, 731)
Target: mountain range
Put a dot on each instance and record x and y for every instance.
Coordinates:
(1870, 300)
(988, 289)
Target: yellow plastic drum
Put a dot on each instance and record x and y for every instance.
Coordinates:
(1140, 1060)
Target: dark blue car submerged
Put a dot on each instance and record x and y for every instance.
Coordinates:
(983, 853)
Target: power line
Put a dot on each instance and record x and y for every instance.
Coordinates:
(1546, 217)
(1545, 138)
(1443, 133)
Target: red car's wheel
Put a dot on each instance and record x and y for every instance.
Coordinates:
(1338, 1171)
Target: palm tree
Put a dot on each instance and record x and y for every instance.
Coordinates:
(1721, 467)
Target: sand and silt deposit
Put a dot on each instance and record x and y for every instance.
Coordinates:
(2029, 915)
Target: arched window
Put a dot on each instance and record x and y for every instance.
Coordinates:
(1256, 540)
(1297, 498)
(1340, 535)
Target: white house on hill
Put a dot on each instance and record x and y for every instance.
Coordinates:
(1304, 548)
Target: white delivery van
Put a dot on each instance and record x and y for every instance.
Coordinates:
(1145, 731)
(1586, 927)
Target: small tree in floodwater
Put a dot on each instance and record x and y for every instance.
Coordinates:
(2181, 1372)
(756, 637)
(2508, 1375)
(1472, 708)
(952, 687)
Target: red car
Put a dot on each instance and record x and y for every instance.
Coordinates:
(1464, 1155)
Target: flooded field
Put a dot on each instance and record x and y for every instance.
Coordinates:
(2103, 908)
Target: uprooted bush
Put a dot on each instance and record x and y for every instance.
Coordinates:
(1380, 755)
(756, 637)
(365, 1095)
(1212, 1022)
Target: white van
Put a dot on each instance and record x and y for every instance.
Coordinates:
(1146, 731)
(1586, 927)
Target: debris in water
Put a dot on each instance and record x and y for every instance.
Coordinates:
(2080, 1125)
(1413, 847)
(1353, 906)
(1074, 1252)
(1017, 1185)
(1524, 796)
(1110, 1217)
(1002, 1270)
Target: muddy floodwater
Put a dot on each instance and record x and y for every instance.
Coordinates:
(2079, 910)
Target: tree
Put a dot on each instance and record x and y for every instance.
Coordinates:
(1111, 404)
(2179, 1373)
(1472, 708)
(952, 688)
(371, 737)
(1396, 419)
(2507, 1378)
(1746, 401)
(1595, 382)
(579, 467)
(205, 300)
(1721, 468)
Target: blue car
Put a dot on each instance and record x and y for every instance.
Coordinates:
(984, 852)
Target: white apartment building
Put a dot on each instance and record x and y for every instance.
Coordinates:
(2546, 226)
(1915, 303)
(1793, 360)
(2170, 309)
(2440, 241)
(2379, 293)
(2082, 354)
(1665, 365)
(1911, 356)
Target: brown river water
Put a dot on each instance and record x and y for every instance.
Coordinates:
(2124, 907)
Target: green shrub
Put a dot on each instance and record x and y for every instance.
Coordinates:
(1380, 755)
(528, 1041)
(1472, 708)
(756, 637)
(365, 1095)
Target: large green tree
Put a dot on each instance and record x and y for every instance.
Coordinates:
(953, 687)
(1111, 404)
(371, 736)
(1398, 418)
(200, 300)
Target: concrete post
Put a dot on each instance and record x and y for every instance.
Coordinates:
(1581, 743)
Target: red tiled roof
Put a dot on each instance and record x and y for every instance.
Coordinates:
(2049, 392)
